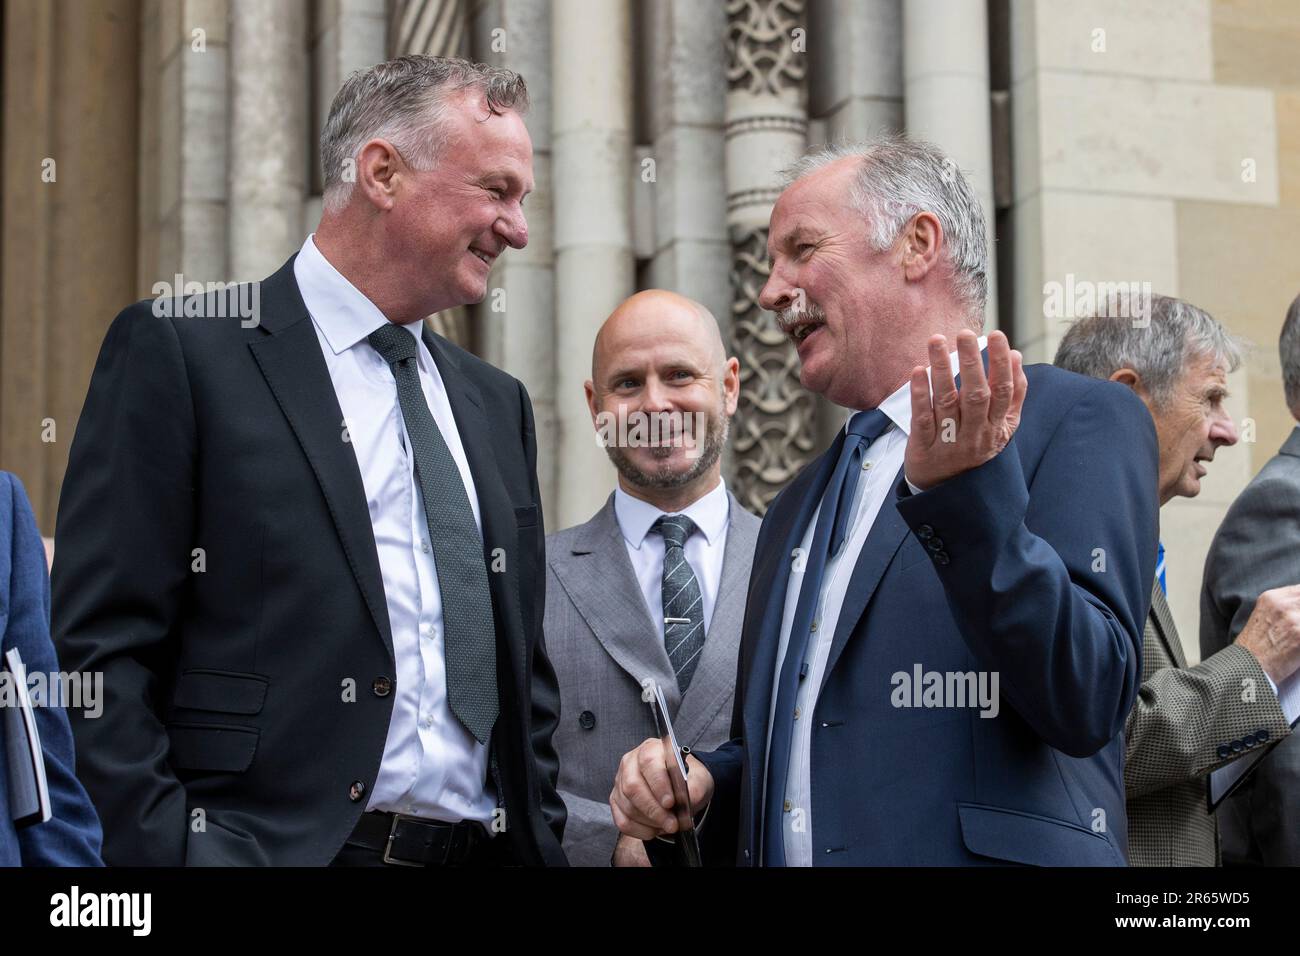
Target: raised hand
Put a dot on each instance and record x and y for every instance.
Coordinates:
(958, 431)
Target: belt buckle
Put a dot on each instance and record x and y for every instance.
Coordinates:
(388, 847)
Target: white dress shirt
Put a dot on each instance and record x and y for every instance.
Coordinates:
(432, 766)
(704, 548)
(880, 465)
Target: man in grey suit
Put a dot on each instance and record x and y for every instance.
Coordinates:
(1257, 549)
(653, 586)
(1187, 721)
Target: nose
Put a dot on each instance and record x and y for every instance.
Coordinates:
(512, 227)
(1224, 431)
(656, 397)
(777, 292)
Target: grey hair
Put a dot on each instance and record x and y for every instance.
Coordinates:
(1177, 334)
(899, 177)
(404, 101)
(1289, 349)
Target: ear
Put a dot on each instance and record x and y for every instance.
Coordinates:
(731, 385)
(922, 240)
(589, 388)
(378, 168)
(1126, 376)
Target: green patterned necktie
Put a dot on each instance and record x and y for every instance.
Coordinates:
(469, 637)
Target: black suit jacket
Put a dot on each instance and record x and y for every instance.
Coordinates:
(215, 560)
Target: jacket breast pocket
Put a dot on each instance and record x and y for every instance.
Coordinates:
(223, 748)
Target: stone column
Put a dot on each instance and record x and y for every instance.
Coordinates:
(855, 86)
(855, 91)
(268, 134)
(193, 130)
(435, 28)
(688, 63)
(946, 98)
(766, 129)
(516, 322)
(68, 247)
(591, 137)
(347, 35)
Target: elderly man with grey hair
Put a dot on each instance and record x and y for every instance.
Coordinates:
(1256, 552)
(1188, 721)
(306, 550)
(931, 670)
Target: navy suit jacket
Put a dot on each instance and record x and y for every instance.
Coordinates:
(1036, 565)
(71, 836)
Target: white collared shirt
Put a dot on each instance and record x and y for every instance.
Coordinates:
(432, 766)
(704, 548)
(880, 465)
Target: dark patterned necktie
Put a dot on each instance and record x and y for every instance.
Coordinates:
(469, 637)
(682, 600)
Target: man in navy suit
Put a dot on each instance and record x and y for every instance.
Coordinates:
(71, 837)
(942, 635)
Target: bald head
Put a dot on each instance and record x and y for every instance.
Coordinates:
(657, 315)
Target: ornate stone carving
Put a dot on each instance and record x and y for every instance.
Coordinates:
(773, 434)
(760, 45)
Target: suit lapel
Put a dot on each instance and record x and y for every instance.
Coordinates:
(712, 682)
(771, 577)
(290, 359)
(882, 543)
(1165, 629)
(496, 510)
(597, 575)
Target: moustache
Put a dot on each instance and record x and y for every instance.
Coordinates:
(788, 319)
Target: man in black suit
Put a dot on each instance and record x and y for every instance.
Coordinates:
(306, 550)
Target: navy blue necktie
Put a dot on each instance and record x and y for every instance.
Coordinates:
(828, 539)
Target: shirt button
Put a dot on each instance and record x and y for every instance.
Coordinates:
(866, 466)
(814, 627)
(425, 547)
(787, 806)
(796, 713)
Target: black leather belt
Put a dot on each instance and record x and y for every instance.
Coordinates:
(413, 841)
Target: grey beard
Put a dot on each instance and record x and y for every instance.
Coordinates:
(714, 441)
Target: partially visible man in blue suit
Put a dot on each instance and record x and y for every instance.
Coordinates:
(944, 618)
(71, 837)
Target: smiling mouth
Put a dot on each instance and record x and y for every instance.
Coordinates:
(799, 326)
(482, 256)
(801, 332)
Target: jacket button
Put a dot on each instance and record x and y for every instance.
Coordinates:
(1249, 741)
(925, 532)
(941, 557)
(586, 720)
(1225, 751)
(935, 544)
(1237, 746)
(356, 791)
(382, 686)
(1262, 735)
